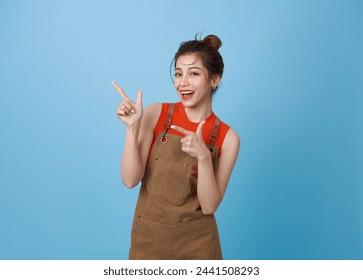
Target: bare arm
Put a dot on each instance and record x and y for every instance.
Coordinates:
(139, 135)
(137, 146)
(211, 185)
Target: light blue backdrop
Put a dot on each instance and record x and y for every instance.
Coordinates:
(292, 90)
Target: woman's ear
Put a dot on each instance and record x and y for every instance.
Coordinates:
(215, 81)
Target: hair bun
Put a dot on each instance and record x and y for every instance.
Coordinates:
(213, 40)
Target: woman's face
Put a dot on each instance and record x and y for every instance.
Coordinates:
(191, 80)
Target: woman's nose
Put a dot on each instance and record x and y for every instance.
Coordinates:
(184, 81)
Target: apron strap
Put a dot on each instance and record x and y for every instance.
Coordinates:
(167, 122)
(213, 135)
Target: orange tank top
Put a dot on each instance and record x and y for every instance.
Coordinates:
(180, 119)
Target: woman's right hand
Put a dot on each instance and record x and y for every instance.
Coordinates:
(128, 112)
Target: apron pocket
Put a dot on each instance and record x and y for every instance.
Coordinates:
(168, 179)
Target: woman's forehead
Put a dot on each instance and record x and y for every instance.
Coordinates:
(189, 60)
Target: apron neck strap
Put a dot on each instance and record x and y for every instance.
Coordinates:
(213, 135)
(169, 116)
(167, 123)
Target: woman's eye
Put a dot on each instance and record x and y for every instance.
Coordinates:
(177, 75)
(194, 74)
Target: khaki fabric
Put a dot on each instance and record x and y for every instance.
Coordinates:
(168, 221)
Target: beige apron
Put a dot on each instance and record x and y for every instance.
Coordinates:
(168, 222)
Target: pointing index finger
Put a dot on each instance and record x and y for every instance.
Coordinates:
(181, 130)
(120, 91)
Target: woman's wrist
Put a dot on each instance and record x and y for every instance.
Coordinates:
(133, 130)
(204, 157)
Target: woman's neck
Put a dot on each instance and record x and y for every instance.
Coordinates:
(199, 113)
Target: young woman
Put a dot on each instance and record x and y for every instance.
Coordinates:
(184, 156)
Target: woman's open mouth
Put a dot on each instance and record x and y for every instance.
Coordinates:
(186, 94)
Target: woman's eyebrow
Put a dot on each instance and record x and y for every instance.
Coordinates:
(192, 67)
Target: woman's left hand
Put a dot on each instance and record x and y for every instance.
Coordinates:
(193, 143)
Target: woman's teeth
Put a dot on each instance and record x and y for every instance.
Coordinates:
(187, 92)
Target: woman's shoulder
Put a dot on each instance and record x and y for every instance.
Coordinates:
(231, 140)
(157, 110)
(233, 135)
(153, 110)
(151, 115)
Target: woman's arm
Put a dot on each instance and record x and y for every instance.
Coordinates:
(139, 135)
(137, 145)
(212, 183)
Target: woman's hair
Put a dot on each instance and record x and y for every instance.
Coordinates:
(207, 50)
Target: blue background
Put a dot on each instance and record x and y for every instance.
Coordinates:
(292, 89)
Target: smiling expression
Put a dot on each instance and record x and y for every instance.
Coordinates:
(191, 80)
